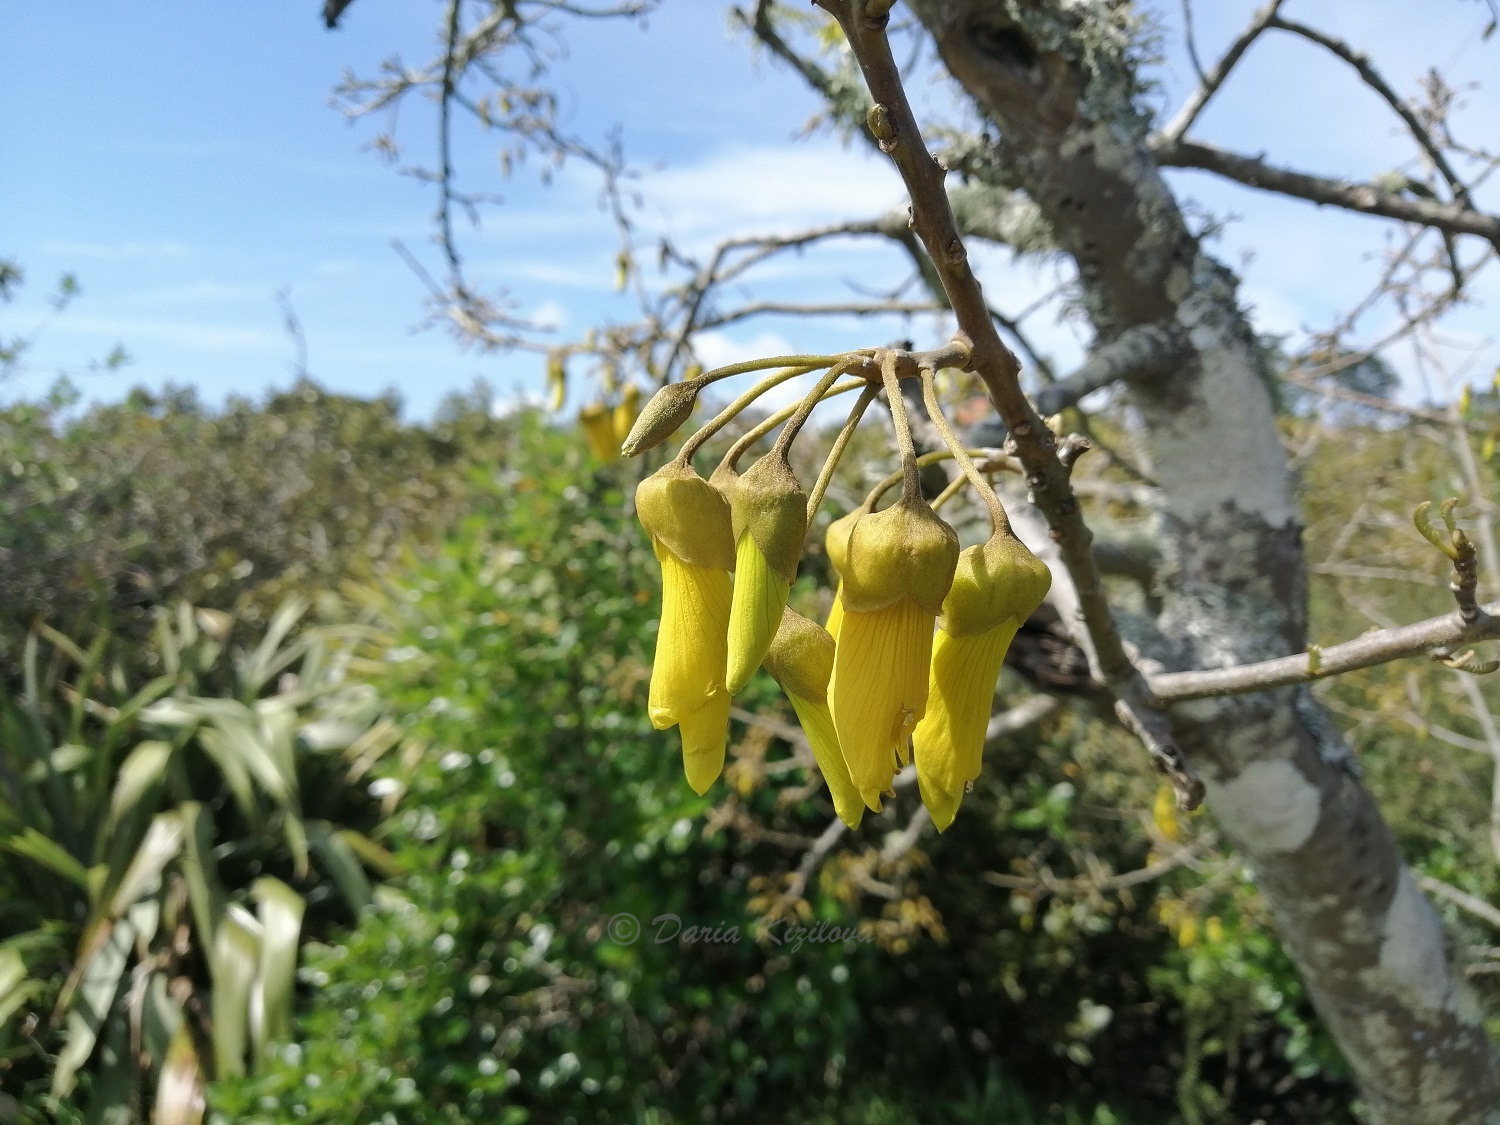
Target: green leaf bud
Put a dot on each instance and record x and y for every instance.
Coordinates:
(668, 409)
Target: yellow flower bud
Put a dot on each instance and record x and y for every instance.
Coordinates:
(625, 413)
(688, 521)
(769, 512)
(899, 566)
(557, 380)
(903, 552)
(836, 542)
(599, 431)
(667, 410)
(801, 661)
(1164, 814)
(996, 587)
(689, 515)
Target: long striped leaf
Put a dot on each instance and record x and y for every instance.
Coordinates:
(236, 959)
(34, 846)
(371, 853)
(162, 843)
(280, 910)
(179, 1090)
(98, 985)
(110, 1092)
(139, 779)
(205, 890)
(341, 863)
(16, 986)
(269, 657)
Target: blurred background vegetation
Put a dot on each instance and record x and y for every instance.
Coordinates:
(327, 794)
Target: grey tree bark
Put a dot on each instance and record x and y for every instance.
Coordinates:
(1055, 76)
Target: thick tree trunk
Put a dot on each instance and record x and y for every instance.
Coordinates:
(1368, 943)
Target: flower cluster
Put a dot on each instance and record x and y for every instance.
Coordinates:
(904, 671)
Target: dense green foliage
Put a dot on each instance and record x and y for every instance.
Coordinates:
(1012, 968)
(157, 499)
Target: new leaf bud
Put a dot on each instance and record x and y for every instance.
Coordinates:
(668, 409)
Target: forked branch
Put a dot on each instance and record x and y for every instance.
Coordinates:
(894, 127)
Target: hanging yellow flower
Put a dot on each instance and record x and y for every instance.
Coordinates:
(625, 414)
(897, 572)
(800, 659)
(836, 542)
(996, 587)
(599, 431)
(688, 521)
(769, 514)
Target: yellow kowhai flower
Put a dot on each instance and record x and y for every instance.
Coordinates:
(836, 542)
(996, 587)
(557, 380)
(599, 431)
(626, 411)
(899, 566)
(769, 514)
(800, 659)
(688, 521)
(1164, 814)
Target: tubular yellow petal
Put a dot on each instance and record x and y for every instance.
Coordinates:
(688, 672)
(836, 614)
(599, 431)
(704, 733)
(879, 690)
(817, 724)
(940, 803)
(949, 741)
(625, 414)
(759, 597)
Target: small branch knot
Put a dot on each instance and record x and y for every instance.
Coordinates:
(955, 250)
(879, 120)
(1071, 448)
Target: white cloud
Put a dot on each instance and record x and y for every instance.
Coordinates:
(549, 315)
(719, 349)
(771, 190)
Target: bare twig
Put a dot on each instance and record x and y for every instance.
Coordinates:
(1475, 906)
(1364, 198)
(1139, 352)
(1379, 647)
(1210, 83)
(1373, 78)
(775, 308)
(1038, 887)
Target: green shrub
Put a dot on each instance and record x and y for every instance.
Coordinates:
(158, 498)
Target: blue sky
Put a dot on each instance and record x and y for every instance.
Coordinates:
(182, 160)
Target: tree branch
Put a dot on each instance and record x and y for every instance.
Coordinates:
(1139, 352)
(1475, 906)
(1318, 664)
(1211, 82)
(895, 128)
(1372, 78)
(1367, 199)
